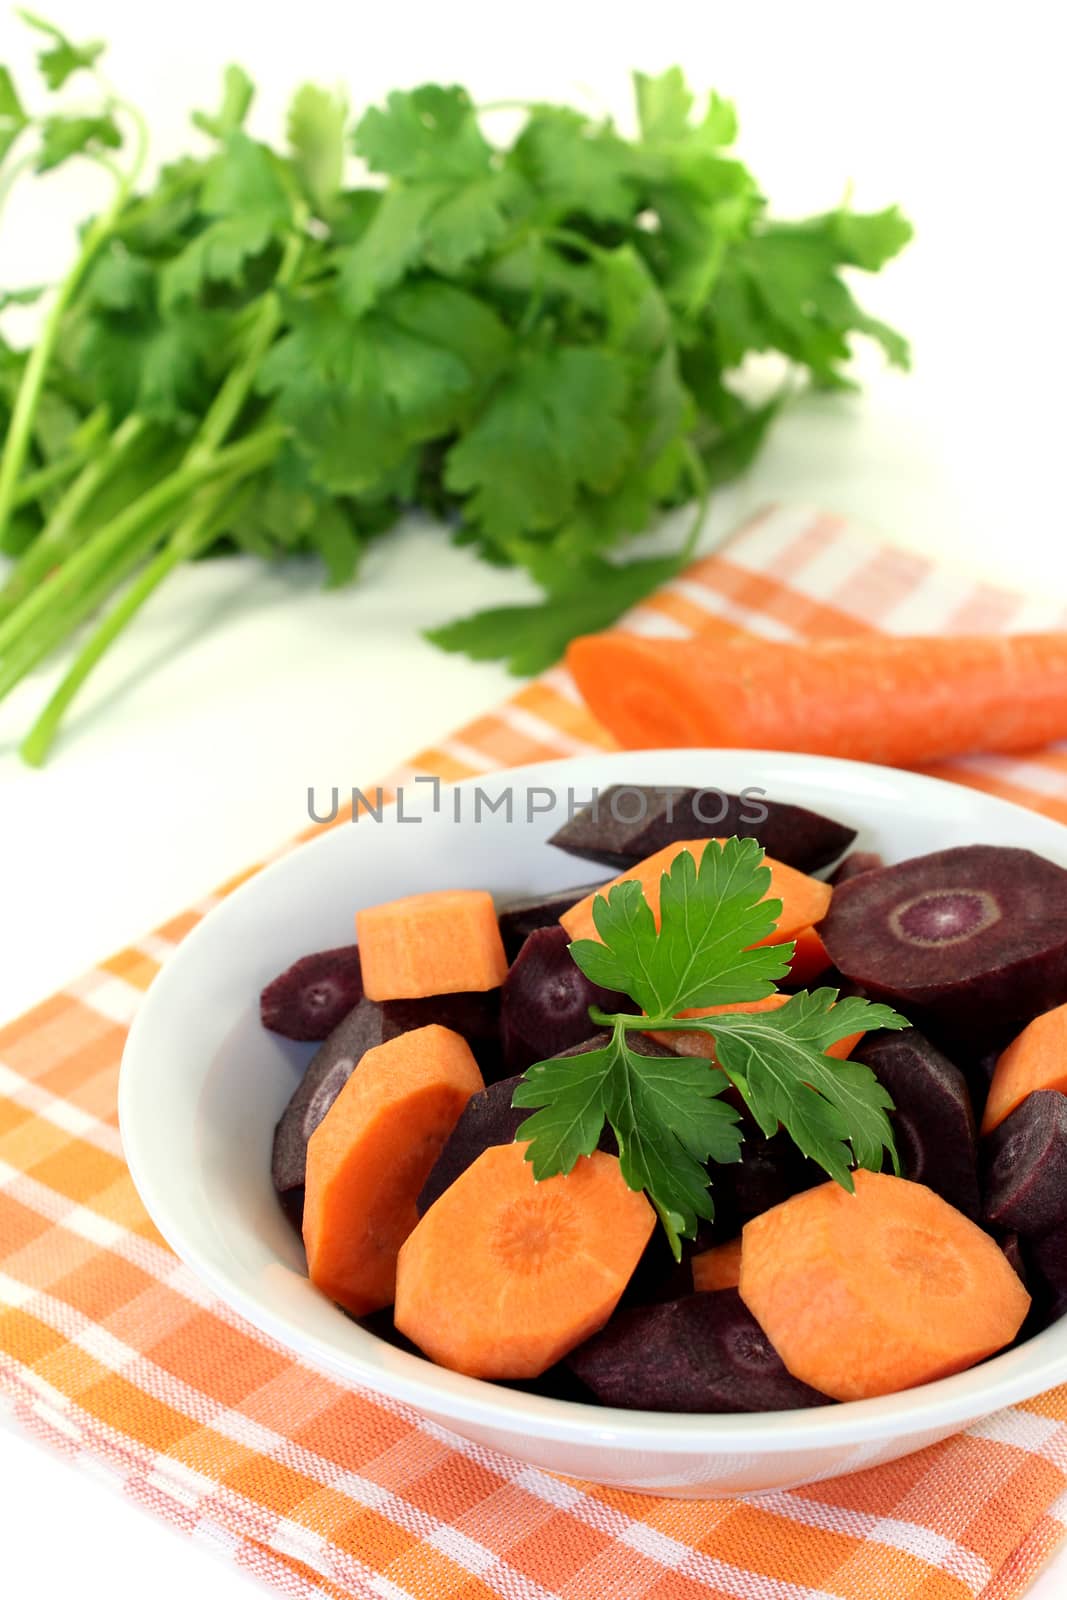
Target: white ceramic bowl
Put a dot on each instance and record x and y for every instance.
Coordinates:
(203, 1085)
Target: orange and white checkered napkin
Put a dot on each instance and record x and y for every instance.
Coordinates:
(114, 1351)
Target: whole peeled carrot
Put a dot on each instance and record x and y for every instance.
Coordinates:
(897, 701)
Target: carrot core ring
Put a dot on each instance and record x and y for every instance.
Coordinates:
(944, 916)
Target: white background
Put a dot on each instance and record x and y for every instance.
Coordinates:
(238, 688)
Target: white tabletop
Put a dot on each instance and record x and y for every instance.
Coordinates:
(240, 687)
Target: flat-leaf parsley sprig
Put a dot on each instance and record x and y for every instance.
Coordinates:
(667, 1114)
(534, 331)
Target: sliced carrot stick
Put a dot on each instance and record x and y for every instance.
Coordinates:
(444, 942)
(804, 900)
(880, 698)
(703, 1044)
(504, 1275)
(868, 1293)
(810, 958)
(718, 1268)
(1037, 1059)
(371, 1154)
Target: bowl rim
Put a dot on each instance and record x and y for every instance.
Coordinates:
(415, 1380)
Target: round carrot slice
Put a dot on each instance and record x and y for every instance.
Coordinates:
(504, 1275)
(371, 1154)
(868, 1293)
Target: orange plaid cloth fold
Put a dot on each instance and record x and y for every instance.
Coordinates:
(112, 1350)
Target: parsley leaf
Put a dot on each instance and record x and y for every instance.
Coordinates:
(664, 108)
(238, 92)
(245, 207)
(63, 137)
(447, 204)
(468, 219)
(665, 1113)
(781, 290)
(531, 637)
(360, 393)
(155, 364)
(663, 105)
(63, 57)
(429, 132)
(778, 1061)
(577, 166)
(711, 917)
(555, 425)
(13, 118)
(316, 130)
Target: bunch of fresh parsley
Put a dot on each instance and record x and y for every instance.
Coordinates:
(667, 1113)
(536, 343)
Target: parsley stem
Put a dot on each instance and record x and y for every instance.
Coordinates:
(52, 544)
(85, 441)
(61, 622)
(702, 489)
(24, 411)
(24, 164)
(627, 1022)
(197, 530)
(230, 399)
(97, 552)
(575, 241)
(134, 532)
(41, 482)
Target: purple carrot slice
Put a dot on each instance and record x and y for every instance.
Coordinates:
(1046, 1264)
(324, 1077)
(629, 822)
(933, 1119)
(474, 1015)
(770, 1170)
(967, 942)
(1025, 1167)
(855, 863)
(1012, 1247)
(545, 1000)
(488, 1119)
(311, 997)
(703, 1352)
(520, 918)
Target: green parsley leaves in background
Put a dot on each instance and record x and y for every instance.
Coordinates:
(537, 344)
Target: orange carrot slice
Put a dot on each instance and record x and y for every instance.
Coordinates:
(444, 942)
(1037, 1059)
(718, 1268)
(504, 1275)
(703, 1044)
(371, 1154)
(810, 959)
(868, 1293)
(873, 698)
(804, 900)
